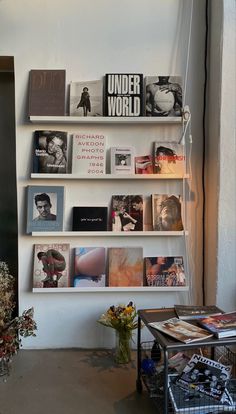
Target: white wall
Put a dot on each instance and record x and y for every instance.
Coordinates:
(88, 39)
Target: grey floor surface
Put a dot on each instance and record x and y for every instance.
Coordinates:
(72, 381)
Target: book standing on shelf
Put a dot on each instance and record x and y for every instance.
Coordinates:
(89, 218)
(45, 206)
(88, 153)
(166, 212)
(164, 271)
(47, 92)
(222, 326)
(89, 267)
(127, 213)
(50, 152)
(163, 96)
(143, 164)
(186, 312)
(51, 265)
(122, 160)
(125, 266)
(169, 158)
(86, 98)
(123, 94)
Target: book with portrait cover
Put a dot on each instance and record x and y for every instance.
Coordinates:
(208, 376)
(186, 312)
(169, 158)
(144, 164)
(89, 153)
(222, 326)
(89, 218)
(164, 271)
(50, 152)
(122, 160)
(181, 330)
(51, 265)
(47, 92)
(89, 267)
(163, 96)
(86, 98)
(166, 212)
(45, 206)
(127, 212)
(125, 266)
(123, 94)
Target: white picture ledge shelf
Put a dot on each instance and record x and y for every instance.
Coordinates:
(105, 120)
(112, 289)
(107, 233)
(109, 176)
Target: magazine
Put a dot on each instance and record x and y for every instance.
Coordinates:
(222, 326)
(186, 312)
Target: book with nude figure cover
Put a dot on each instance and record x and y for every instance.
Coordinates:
(89, 267)
(163, 96)
(50, 152)
(164, 271)
(125, 266)
(222, 326)
(51, 265)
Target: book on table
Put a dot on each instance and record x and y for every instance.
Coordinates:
(222, 326)
(186, 312)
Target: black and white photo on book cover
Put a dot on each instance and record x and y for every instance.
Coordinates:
(164, 271)
(45, 206)
(123, 94)
(169, 158)
(122, 160)
(89, 153)
(127, 212)
(50, 152)
(167, 212)
(51, 265)
(86, 98)
(89, 267)
(163, 95)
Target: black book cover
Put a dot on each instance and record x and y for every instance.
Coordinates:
(123, 94)
(89, 219)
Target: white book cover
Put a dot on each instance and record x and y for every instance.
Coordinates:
(89, 153)
(122, 160)
(86, 98)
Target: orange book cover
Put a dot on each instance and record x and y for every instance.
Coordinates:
(125, 266)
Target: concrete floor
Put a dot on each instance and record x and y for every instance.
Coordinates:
(72, 382)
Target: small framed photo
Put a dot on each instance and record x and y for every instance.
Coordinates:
(45, 206)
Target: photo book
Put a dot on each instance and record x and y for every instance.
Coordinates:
(144, 164)
(89, 267)
(222, 326)
(164, 271)
(125, 266)
(50, 152)
(47, 92)
(186, 312)
(89, 218)
(169, 158)
(122, 160)
(86, 98)
(88, 153)
(51, 265)
(45, 206)
(127, 212)
(167, 212)
(123, 94)
(163, 95)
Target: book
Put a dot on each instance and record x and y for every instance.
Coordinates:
(169, 158)
(51, 265)
(45, 206)
(127, 212)
(89, 218)
(206, 375)
(86, 98)
(222, 326)
(47, 92)
(122, 160)
(50, 152)
(125, 266)
(123, 94)
(89, 267)
(143, 164)
(181, 330)
(164, 271)
(163, 95)
(166, 212)
(185, 312)
(88, 153)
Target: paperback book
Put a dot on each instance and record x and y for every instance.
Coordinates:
(86, 98)
(164, 271)
(125, 266)
(45, 206)
(144, 164)
(167, 212)
(47, 92)
(127, 213)
(51, 265)
(123, 95)
(222, 326)
(169, 158)
(181, 330)
(89, 267)
(186, 312)
(50, 152)
(122, 160)
(163, 96)
(89, 153)
(89, 218)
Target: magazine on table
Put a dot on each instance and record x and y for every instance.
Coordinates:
(222, 326)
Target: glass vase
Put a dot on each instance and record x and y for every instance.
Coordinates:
(123, 347)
